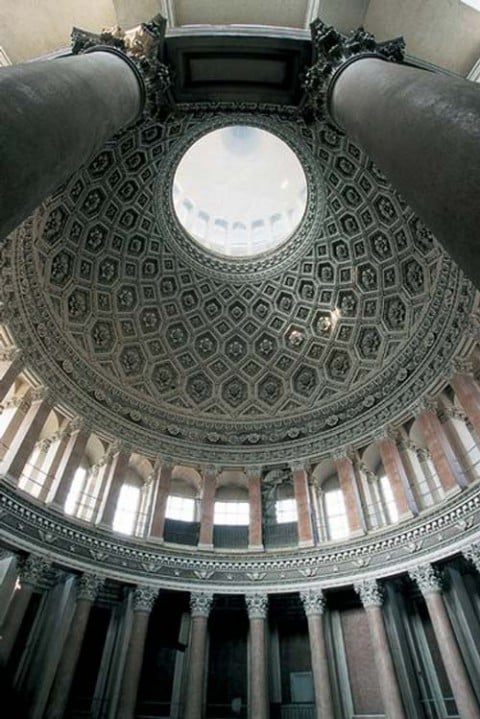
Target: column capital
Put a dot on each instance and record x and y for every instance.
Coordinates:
(425, 404)
(257, 605)
(473, 554)
(88, 586)
(141, 47)
(462, 365)
(254, 471)
(200, 604)
(11, 354)
(427, 578)
(31, 569)
(40, 394)
(313, 601)
(332, 52)
(343, 453)
(144, 598)
(299, 464)
(370, 593)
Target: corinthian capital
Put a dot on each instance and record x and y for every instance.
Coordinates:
(257, 605)
(313, 601)
(427, 578)
(370, 593)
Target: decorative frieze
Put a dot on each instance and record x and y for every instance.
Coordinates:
(200, 604)
(313, 601)
(257, 605)
(370, 593)
(427, 578)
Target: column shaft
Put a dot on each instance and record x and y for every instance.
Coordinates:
(304, 519)
(21, 405)
(68, 661)
(117, 472)
(24, 441)
(164, 481)
(346, 479)
(55, 115)
(133, 666)
(258, 670)
(255, 540)
(425, 137)
(440, 450)
(13, 621)
(321, 678)
(468, 393)
(9, 376)
(196, 668)
(70, 462)
(52, 462)
(207, 510)
(392, 701)
(465, 699)
(393, 465)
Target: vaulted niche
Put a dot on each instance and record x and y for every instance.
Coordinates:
(240, 191)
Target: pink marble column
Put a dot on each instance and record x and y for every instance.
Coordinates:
(347, 482)
(164, 480)
(207, 508)
(393, 465)
(143, 601)
(27, 434)
(21, 405)
(441, 451)
(200, 605)
(9, 373)
(30, 571)
(468, 392)
(314, 605)
(302, 498)
(87, 589)
(371, 597)
(257, 608)
(70, 462)
(116, 475)
(255, 539)
(429, 583)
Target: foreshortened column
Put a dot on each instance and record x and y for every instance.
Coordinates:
(257, 608)
(421, 128)
(314, 605)
(200, 604)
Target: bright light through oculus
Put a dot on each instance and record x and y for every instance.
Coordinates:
(240, 191)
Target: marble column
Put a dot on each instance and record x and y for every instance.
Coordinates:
(27, 434)
(255, 539)
(20, 406)
(54, 117)
(207, 508)
(302, 498)
(468, 392)
(70, 461)
(164, 479)
(441, 451)
(314, 605)
(116, 474)
(422, 129)
(200, 605)
(143, 601)
(348, 485)
(371, 597)
(30, 571)
(257, 608)
(88, 586)
(13, 357)
(429, 583)
(58, 444)
(393, 466)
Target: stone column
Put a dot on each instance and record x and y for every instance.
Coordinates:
(54, 117)
(27, 434)
(255, 539)
(393, 466)
(348, 485)
(434, 484)
(314, 605)
(441, 451)
(30, 571)
(164, 479)
(468, 392)
(429, 583)
(425, 135)
(58, 444)
(9, 374)
(207, 508)
(200, 605)
(257, 608)
(143, 601)
(71, 460)
(371, 596)
(87, 588)
(21, 406)
(304, 517)
(116, 474)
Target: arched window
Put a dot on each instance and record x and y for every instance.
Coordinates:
(127, 509)
(76, 489)
(335, 510)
